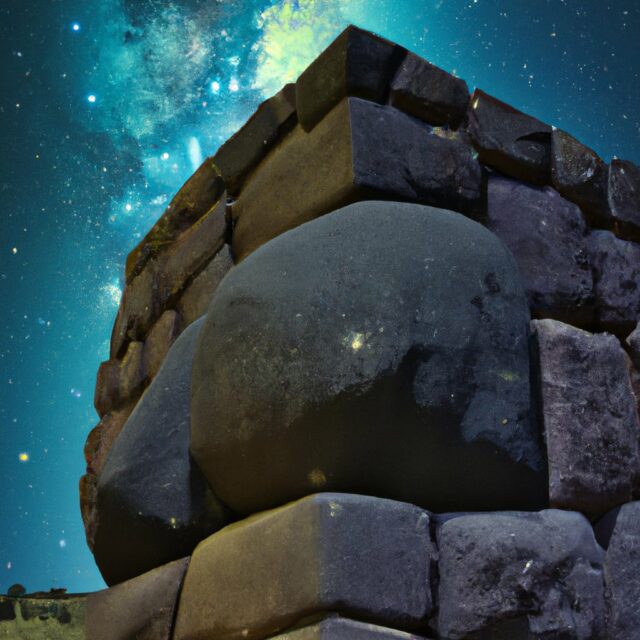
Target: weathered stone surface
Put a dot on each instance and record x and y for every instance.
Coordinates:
(616, 281)
(357, 63)
(195, 300)
(548, 238)
(416, 388)
(163, 278)
(340, 162)
(118, 381)
(603, 529)
(622, 575)
(96, 448)
(353, 555)
(336, 628)
(153, 504)
(509, 140)
(520, 575)
(429, 93)
(624, 198)
(242, 152)
(590, 418)
(580, 175)
(633, 342)
(196, 197)
(142, 608)
(42, 617)
(159, 341)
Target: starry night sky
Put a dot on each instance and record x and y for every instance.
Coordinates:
(107, 106)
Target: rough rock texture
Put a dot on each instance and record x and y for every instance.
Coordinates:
(164, 277)
(120, 381)
(633, 342)
(42, 617)
(429, 93)
(195, 300)
(580, 175)
(520, 575)
(242, 152)
(622, 575)
(616, 279)
(354, 555)
(340, 162)
(590, 418)
(196, 197)
(344, 629)
(153, 504)
(97, 446)
(556, 275)
(140, 609)
(159, 341)
(624, 198)
(514, 143)
(415, 389)
(357, 63)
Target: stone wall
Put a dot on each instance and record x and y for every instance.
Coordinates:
(476, 375)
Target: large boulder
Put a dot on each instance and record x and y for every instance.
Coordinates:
(381, 349)
(153, 504)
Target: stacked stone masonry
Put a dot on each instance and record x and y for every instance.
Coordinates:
(378, 364)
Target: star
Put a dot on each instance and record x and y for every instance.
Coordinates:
(75, 26)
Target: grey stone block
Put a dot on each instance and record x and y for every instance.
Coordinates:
(508, 140)
(429, 93)
(142, 608)
(616, 281)
(520, 575)
(556, 273)
(358, 556)
(153, 503)
(622, 575)
(357, 63)
(590, 418)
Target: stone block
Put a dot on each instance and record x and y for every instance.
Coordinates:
(622, 575)
(508, 140)
(97, 446)
(616, 281)
(244, 150)
(624, 198)
(142, 608)
(580, 176)
(590, 418)
(153, 505)
(336, 628)
(548, 238)
(158, 286)
(341, 162)
(328, 553)
(159, 341)
(195, 198)
(195, 300)
(520, 575)
(633, 343)
(429, 93)
(417, 388)
(119, 381)
(357, 63)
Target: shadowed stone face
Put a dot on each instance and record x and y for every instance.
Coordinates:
(381, 349)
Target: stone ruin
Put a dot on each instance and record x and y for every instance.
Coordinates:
(375, 375)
